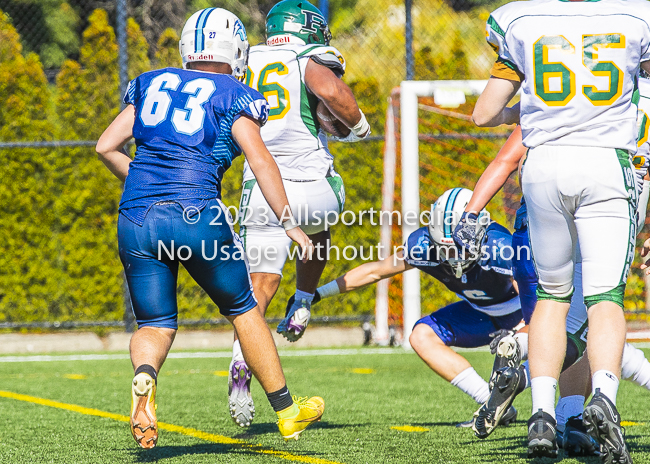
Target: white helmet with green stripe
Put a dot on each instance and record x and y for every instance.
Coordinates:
(445, 215)
(217, 35)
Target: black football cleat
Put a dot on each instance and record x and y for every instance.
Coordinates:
(542, 442)
(510, 417)
(508, 383)
(603, 423)
(576, 441)
(506, 350)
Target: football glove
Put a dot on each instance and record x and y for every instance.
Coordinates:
(358, 132)
(497, 337)
(469, 232)
(293, 298)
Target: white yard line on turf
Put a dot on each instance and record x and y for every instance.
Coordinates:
(199, 354)
(228, 354)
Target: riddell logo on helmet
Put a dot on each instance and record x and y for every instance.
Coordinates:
(282, 39)
(200, 57)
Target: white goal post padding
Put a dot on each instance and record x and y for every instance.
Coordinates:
(446, 94)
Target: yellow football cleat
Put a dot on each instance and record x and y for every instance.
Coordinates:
(143, 411)
(309, 411)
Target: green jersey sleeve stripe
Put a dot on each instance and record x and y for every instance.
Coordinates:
(309, 50)
(495, 27)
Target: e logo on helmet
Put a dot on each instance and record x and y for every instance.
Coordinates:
(312, 18)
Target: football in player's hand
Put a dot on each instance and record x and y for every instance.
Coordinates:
(330, 123)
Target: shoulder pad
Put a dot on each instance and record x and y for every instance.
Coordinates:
(495, 31)
(259, 47)
(129, 94)
(496, 251)
(496, 228)
(325, 56)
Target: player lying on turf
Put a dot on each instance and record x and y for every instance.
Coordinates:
(188, 125)
(296, 69)
(484, 284)
(512, 381)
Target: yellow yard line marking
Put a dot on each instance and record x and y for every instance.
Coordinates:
(409, 428)
(190, 432)
(630, 423)
(363, 370)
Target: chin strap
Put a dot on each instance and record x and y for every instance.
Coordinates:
(459, 271)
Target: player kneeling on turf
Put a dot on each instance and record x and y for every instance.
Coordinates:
(189, 124)
(489, 300)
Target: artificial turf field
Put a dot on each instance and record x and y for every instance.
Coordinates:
(366, 395)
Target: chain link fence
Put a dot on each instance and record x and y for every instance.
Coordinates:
(372, 34)
(62, 68)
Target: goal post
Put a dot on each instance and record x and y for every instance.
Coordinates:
(382, 335)
(446, 94)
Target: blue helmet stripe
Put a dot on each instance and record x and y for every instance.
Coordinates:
(449, 207)
(198, 34)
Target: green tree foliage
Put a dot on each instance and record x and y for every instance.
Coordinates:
(48, 27)
(137, 50)
(100, 77)
(58, 244)
(10, 48)
(452, 65)
(27, 251)
(86, 204)
(88, 92)
(62, 22)
(167, 55)
(24, 101)
(73, 116)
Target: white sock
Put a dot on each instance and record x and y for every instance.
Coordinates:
(635, 366)
(300, 295)
(543, 391)
(237, 355)
(568, 406)
(329, 289)
(607, 382)
(522, 340)
(473, 384)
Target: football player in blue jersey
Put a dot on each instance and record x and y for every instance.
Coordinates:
(188, 125)
(483, 281)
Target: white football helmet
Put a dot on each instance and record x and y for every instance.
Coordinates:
(445, 215)
(215, 34)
